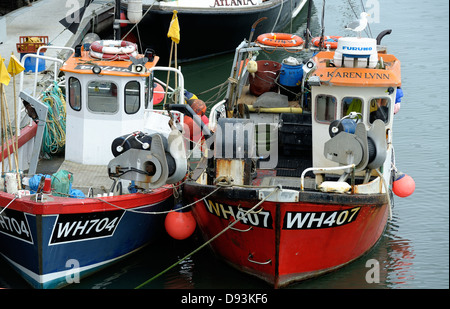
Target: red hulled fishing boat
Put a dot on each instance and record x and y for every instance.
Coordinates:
(299, 171)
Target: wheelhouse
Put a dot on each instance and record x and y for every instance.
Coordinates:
(105, 99)
(337, 91)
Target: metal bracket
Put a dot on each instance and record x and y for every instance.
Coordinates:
(41, 111)
(256, 262)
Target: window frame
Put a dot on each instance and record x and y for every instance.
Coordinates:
(125, 97)
(389, 105)
(325, 121)
(117, 97)
(71, 78)
(354, 97)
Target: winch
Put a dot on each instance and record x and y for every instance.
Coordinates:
(150, 158)
(364, 148)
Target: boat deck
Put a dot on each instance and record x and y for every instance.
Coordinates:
(248, 98)
(84, 176)
(292, 183)
(88, 176)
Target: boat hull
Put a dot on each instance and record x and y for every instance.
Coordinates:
(285, 242)
(58, 242)
(211, 31)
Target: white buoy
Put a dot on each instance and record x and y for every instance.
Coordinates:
(252, 67)
(134, 11)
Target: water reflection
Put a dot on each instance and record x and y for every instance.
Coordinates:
(182, 277)
(394, 254)
(399, 257)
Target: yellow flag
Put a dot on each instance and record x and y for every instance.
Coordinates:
(14, 66)
(174, 29)
(4, 76)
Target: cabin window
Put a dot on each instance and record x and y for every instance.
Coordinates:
(148, 91)
(379, 109)
(352, 104)
(102, 97)
(325, 108)
(74, 93)
(132, 97)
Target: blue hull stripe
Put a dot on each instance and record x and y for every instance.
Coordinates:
(61, 278)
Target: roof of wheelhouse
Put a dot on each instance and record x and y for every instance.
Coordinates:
(85, 63)
(358, 77)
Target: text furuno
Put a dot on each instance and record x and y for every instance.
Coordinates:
(232, 2)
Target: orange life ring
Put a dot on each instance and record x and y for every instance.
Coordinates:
(280, 39)
(331, 40)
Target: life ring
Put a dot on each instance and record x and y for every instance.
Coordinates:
(280, 39)
(113, 49)
(331, 40)
(112, 56)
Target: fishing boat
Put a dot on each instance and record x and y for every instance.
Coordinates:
(111, 194)
(299, 168)
(210, 27)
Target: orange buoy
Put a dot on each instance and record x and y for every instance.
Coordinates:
(180, 224)
(198, 106)
(158, 93)
(403, 185)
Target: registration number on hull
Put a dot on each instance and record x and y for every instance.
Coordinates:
(77, 227)
(318, 220)
(15, 224)
(293, 220)
(254, 218)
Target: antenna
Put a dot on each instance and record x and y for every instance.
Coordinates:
(307, 34)
(323, 26)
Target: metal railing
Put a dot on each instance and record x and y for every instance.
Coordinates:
(324, 170)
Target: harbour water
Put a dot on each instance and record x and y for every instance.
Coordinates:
(413, 253)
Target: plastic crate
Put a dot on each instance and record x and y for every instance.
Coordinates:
(30, 44)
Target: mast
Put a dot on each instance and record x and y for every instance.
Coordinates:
(323, 27)
(307, 34)
(116, 25)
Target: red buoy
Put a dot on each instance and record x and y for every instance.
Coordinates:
(123, 17)
(403, 185)
(195, 133)
(158, 93)
(180, 224)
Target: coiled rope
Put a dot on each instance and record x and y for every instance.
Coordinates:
(54, 138)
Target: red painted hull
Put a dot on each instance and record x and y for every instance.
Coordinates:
(64, 205)
(289, 241)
